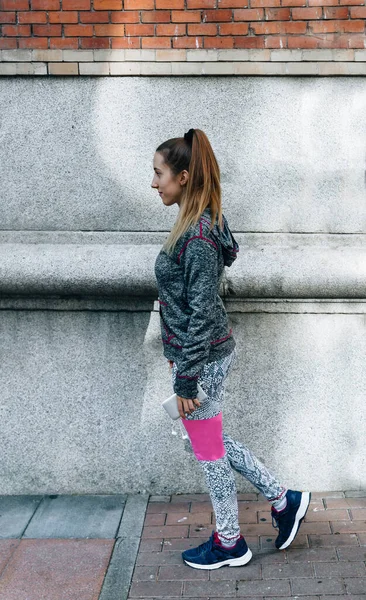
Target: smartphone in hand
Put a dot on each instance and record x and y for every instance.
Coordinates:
(171, 405)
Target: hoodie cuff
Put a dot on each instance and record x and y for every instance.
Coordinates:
(186, 387)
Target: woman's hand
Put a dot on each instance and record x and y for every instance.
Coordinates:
(186, 406)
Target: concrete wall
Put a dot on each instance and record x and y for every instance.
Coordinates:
(82, 371)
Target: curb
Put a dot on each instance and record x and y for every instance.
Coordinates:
(118, 577)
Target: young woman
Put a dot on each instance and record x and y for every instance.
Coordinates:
(201, 348)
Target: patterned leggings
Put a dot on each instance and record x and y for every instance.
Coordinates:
(218, 471)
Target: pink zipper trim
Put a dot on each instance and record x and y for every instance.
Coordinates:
(195, 237)
(222, 339)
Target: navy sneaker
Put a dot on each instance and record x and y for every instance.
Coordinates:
(211, 555)
(288, 520)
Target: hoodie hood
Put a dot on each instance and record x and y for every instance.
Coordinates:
(225, 238)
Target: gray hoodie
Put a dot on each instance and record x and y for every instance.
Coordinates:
(193, 319)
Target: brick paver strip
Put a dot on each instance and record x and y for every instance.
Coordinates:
(320, 565)
(118, 577)
(55, 568)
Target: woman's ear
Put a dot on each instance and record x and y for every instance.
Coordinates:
(183, 178)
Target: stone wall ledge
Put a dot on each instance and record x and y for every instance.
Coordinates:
(180, 62)
(268, 266)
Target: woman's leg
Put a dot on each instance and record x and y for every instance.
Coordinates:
(204, 427)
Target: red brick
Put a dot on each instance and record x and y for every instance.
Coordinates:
(327, 515)
(145, 573)
(355, 41)
(351, 554)
(173, 4)
(170, 531)
(334, 26)
(32, 17)
(306, 13)
(234, 29)
(98, 43)
(189, 16)
(332, 40)
(296, 2)
(202, 29)
(343, 539)
(323, 2)
(352, 2)
(75, 4)
(78, 30)
(109, 30)
(94, 17)
(126, 42)
(358, 514)
(180, 573)
(299, 41)
(7, 17)
(358, 12)
(277, 14)
(157, 589)
(316, 586)
(155, 16)
(64, 43)
(276, 41)
(107, 4)
(336, 13)
(249, 42)
(37, 43)
(216, 15)
(189, 519)
(47, 30)
(319, 527)
(21, 30)
(233, 3)
(353, 26)
(219, 43)
(265, 28)
(45, 4)
(346, 503)
(15, 5)
(292, 27)
(155, 519)
(8, 43)
(66, 16)
(275, 587)
(348, 526)
(129, 16)
(187, 42)
(135, 30)
(148, 546)
(263, 3)
(249, 14)
(167, 507)
(171, 30)
(201, 4)
(138, 4)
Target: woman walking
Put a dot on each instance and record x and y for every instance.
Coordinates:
(201, 348)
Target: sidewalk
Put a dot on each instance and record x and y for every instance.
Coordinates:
(127, 547)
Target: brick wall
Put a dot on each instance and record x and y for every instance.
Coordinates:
(182, 24)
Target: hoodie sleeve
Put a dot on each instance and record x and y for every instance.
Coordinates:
(200, 271)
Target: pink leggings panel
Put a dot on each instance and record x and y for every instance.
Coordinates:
(206, 437)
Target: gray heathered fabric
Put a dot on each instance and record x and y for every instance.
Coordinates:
(193, 319)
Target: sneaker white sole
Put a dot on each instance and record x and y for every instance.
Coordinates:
(231, 562)
(301, 512)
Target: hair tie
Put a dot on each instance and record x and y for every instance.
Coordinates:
(189, 136)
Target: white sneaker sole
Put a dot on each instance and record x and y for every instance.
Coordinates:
(301, 512)
(231, 562)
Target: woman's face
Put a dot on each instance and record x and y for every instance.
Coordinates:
(169, 186)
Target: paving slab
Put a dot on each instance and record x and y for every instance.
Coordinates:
(92, 516)
(50, 569)
(15, 514)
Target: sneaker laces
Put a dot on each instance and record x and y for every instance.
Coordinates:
(207, 545)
